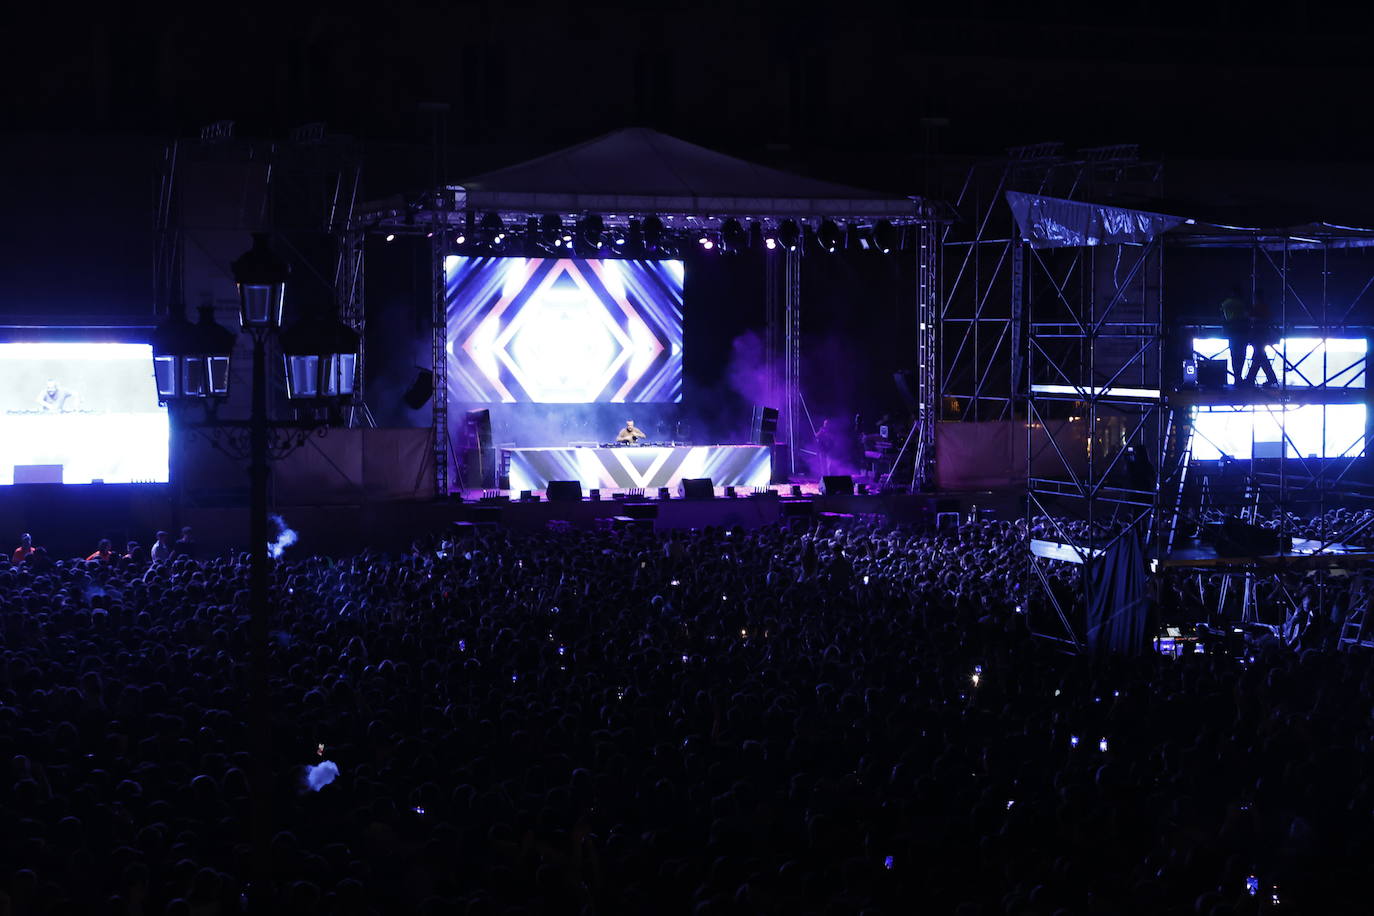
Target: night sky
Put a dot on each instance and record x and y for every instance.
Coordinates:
(894, 98)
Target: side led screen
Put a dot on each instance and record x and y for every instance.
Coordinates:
(80, 413)
(563, 330)
(1336, 362)
(1303, 431)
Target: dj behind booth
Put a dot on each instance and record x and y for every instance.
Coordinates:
(631, 462)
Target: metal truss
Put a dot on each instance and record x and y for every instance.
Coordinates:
(439, 356)
(1094, 396)
(308, 188)
(983, 267)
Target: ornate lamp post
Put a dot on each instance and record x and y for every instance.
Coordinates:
(191, 362)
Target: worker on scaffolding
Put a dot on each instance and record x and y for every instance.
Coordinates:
(1235, 322)
(1263, 334)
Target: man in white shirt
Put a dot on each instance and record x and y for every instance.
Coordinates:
(162, 550)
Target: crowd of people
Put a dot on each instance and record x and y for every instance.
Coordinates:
(844, 717)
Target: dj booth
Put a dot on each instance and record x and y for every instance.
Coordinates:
(639, 466)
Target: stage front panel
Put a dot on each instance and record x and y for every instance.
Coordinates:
(649, 467)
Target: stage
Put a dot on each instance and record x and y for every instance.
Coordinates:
(639, 467)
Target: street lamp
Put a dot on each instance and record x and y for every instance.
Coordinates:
(261, 277)
(321, 359)
(174, 346)
(191, 361)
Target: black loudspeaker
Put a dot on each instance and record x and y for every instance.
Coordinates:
(1211, 373)
(420, 390)
(837, 485)
(763, 428)
(479, 457)
(696, 488)
(564, 491)
(477, 425)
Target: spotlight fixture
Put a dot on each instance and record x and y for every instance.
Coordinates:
(706, 242)
(591, 228)
(789, 234)
(534, 238)
(732, 236)
(885, 236)
(391, 236)
(653, 233)
(460, 239)
(770, 243)
(830, 236)
(551, 227)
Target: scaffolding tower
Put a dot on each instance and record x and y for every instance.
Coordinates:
(983, 266)
(1120, 442)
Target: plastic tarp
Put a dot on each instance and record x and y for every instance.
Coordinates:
(1117, 606)
(641, 170)
(977, 456)
(1053, 222)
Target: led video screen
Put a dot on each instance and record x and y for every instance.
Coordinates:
(80, 413)
(1336, 362)
(563, 330)
(1302, 431)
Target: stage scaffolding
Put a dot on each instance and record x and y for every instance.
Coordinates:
(216, 189)
(1112, 430)
(983, 265)
(445, 214)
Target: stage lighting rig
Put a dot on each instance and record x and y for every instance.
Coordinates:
(551, 229)
(885, 236)
(733, 236)
(653, 233)
(859, 238)
(829, 236)
(789, 235)
(755, 235)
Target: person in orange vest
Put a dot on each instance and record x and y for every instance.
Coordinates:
(21, 553)
(103, 551)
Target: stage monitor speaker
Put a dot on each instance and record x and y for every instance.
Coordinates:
(1211, 373)
(564, 491)
(420, 390)
(764, 425)
(696, 488)
(837, 485)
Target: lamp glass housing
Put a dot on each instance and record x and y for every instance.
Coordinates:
(260, 305)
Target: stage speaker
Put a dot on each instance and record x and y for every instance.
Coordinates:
(837, 485)
(696, 488)
(420, 390)
(478, 455)
(564, 491)
(1211, 373)
(763, 428)
(477, 425)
